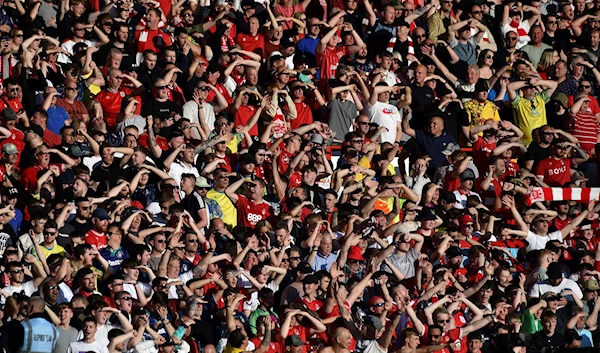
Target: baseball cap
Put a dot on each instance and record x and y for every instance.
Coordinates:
(201, 182)
(304, 268)
(467, 174)
(36, 129)
(294, 340)
(9, 114)
(355, 253)
(10, 148)
(11, 193)
(287, 42)
(450, 148)
(316, 139)
(481, 86)
(591, 284)
(310, 279)
(374, 300)
(562, 99)
(449, 197)
(101, 214)
(427, 214)
(465, 219)
(247, 158)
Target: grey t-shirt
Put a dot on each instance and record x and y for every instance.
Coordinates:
(341, 117)
(404, 262)
(65, 339)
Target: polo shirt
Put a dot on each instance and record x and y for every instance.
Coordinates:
(434, 146)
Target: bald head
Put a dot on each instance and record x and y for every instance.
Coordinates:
(36, 305)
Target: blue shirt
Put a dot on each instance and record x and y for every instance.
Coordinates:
(15, 223)
(56, 119)
(433, 146)
(308, 44)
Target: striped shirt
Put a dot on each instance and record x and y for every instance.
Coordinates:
(585, 127)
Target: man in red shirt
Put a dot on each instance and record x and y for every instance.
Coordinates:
(310, 284)
(251, 208)
(328, 52)
(112, 96)
(11, 96)
(253, 41)
(556, 169)
(17, 137)
(42, 162)
(303, 110)
(292, 147)
(152, 37)
(96, 236)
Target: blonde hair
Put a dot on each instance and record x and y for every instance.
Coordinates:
(546, 60)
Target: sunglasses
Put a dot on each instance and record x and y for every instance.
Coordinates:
(511, 38)
(362, 123)
(356, 141)
(422, 35)
(52, 287)
(285, 260)
(17, 271)
(444, 321)
(489, 57)
(50, 233)
(295, 258)
(160, 87)
(19, 35)
(192, 241)
(378, 305)
(435, 336)
(70, 88)
(161, 241)
(470, 225)
(79, 29)
(552, 22)
(126, 298)
(585, 86)
(476, 12)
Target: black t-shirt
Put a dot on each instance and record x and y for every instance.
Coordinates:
(422, 96)
(164, 110)
(193, 203)
(107, 175)
(81, 227)
(536, 153)
(540, 340)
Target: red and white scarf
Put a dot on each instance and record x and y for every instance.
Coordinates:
(560, 194)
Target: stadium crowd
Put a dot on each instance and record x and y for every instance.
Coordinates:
(332, 176)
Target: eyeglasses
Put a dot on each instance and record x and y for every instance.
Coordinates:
(17, 271)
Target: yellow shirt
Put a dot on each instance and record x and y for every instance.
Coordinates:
(478, 113)
(530, 114)
(228, 208)
(56, 249)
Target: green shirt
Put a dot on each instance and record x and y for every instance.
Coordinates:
(530, 323)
